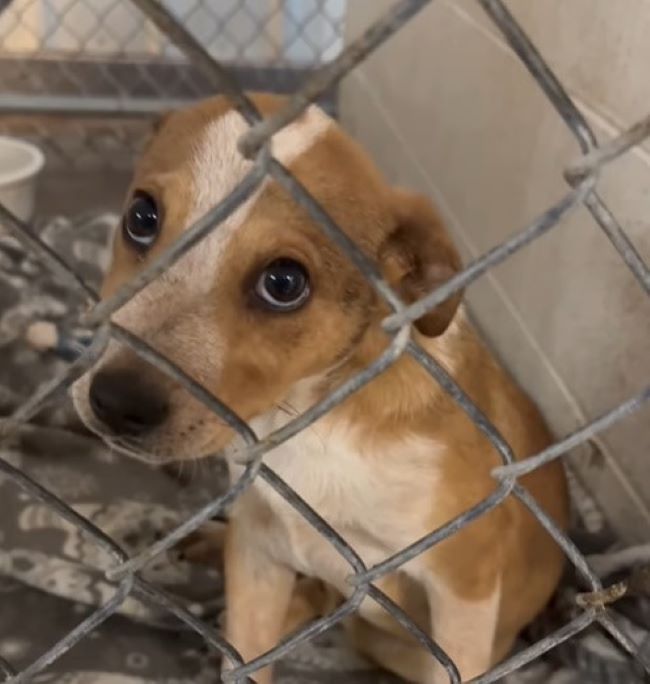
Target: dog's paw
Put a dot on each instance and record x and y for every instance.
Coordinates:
(203, 546)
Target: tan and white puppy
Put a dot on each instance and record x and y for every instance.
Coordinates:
(270, 316)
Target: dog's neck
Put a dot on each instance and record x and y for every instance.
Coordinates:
(404, 396)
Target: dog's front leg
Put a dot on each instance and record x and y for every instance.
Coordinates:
(464, 628)
(258, 593)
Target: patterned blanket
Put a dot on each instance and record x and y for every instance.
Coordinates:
(51, 575)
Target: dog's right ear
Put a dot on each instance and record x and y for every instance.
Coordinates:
(160, 120)
(157, 122)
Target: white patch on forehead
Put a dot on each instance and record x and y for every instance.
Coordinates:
(218, 167)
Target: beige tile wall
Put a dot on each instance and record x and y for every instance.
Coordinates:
(446, 108)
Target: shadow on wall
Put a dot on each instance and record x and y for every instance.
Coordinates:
(447, 109)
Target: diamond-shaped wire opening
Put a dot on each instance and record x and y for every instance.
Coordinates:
(310, 30)
(16, 32)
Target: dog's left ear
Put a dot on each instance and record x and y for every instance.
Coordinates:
(419, 256)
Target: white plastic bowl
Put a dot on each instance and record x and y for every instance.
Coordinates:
(20, 164)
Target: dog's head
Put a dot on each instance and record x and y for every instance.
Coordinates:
(266, 302)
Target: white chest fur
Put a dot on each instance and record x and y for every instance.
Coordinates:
(376, 496)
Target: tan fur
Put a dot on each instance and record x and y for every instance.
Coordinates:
(393, 462)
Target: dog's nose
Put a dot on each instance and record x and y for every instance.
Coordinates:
(126, 404)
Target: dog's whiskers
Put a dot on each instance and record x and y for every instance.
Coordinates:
(130, 447)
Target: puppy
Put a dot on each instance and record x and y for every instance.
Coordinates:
(270, 316)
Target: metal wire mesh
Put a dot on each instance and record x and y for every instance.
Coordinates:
(583, 180)
(78, 59)
(108, 47)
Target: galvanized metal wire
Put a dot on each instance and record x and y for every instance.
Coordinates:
(76, 61)
(582, 176)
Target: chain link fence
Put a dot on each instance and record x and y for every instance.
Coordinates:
(582, 177)
(67, 62)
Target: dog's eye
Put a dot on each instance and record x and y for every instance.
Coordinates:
(283, 285)
(141, 221)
